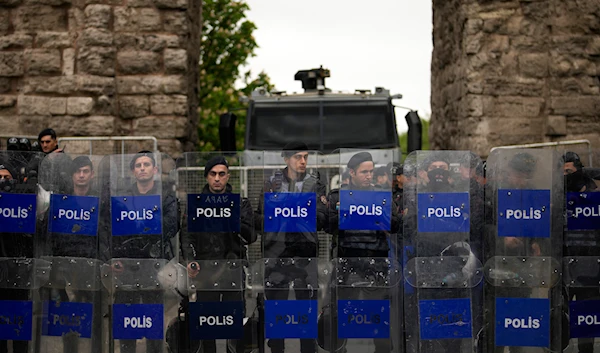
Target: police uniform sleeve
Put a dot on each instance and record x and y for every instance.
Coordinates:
(170, 220)
(259, 213)
(322, 219)
(248, 232)
(332, 212)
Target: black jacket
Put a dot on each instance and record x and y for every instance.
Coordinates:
(305, 244)
(375, 240)
(213, 246)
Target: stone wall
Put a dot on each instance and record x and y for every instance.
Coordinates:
(101, 67)
(513, 72)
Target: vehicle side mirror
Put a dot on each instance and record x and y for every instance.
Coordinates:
(227, 132)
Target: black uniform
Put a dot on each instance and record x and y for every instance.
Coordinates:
(147, 247)
(291, 245)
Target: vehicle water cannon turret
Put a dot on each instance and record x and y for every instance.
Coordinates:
(313, 79)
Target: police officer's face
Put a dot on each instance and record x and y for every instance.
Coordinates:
(83, 176)
(438, 165)
(217, 178)
(297, 162)
(48, 143)
(144, 169)
(363, 175)
(5, 175)
(517, 178)
(569, 168)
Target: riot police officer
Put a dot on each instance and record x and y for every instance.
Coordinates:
(13, 245)
(353, 244)
(144, 169)
(580, 243)
(219, 245)
(295, 249)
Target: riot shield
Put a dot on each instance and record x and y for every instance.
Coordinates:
(21, 275)
(581, 258)
(69, 237)
(365, 222)
(290, 213)
(217, 227)
(443, 225)
(141, 281)
(523, 240)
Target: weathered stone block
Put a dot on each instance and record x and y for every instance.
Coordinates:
(151, 84)
(76, 20)
(593, 47)
(522, 107)
(556, 125)
(136, 19)
(40, 18)
(533, 65)
(4, 21)
(96, 37)
(139, 3)
(7, 101)
(133, 106)
(43, 61)
(161, 127)
(138, 62)
(570, 106)
(9, 3)
(175, 60)
(16, 41)
(85, 126)
(171, 146)
(53, 40)
(567, 65)
(97, 16)
(579, 85)
(47, 2)
(96, 85)
(168, 105)
(68, 56)
(5, 85)
(11, 64)
(36, 105)
(171, 4)
(151, 42)
(175, 22)
(48, 85)
(473, 43)
(97, 61)
(79, 105)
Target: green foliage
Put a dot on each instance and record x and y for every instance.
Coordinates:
(227, 44)
(425, 138)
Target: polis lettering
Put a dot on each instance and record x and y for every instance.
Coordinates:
(531, 213)
(364, 319)
(528, 323)
(142, 215)
(81, 215)
(137, 322)
(14, 212)
(225, 320)
(363, 210)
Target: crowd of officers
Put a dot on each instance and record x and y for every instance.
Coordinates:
(19, 174)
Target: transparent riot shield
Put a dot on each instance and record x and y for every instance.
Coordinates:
(290, 213)
(365, 222)
(141, 273)
(68, 239)
(443, 225)
(523, 240)
(217, 227)
(21, 275)
(581, 258)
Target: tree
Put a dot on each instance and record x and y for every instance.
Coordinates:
(227, 44)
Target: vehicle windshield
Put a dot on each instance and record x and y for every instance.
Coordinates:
(341, 125)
